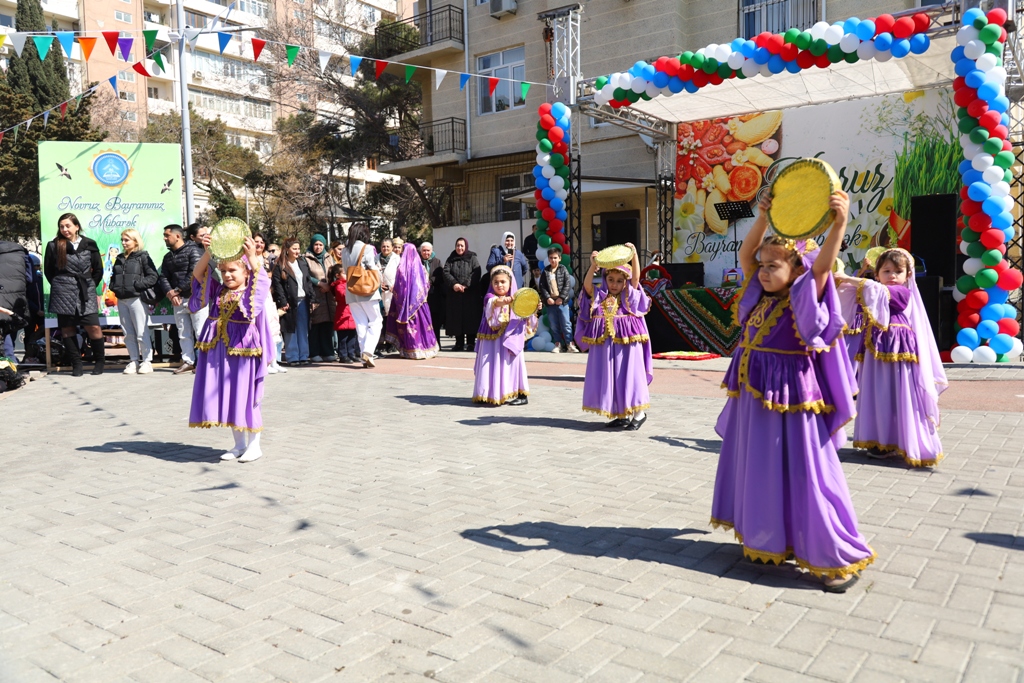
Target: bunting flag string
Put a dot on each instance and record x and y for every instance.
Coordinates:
(380, 66)
(463, 80)
(257, 48)
(223, 39)
(440, 73)
(87, 44)
(409, 71)
(111, 38)
(43, 44)
(46, 119)
(67, 42)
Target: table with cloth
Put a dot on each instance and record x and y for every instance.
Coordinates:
(692, 319)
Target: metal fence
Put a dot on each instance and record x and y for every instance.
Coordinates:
(428, 28)
(444, 136)
(776, 16)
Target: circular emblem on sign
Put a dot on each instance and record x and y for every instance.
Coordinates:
(110, 169)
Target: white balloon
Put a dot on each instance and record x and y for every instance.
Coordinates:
(883, 55)
(1018, 346)
(652, 90)
(543, 159)
(984, 354)
(961, 354)
(638, 85)
(750, 68)
(543, 254)
(765, 71)
(1001, 188)
(974, 49)
(972, 266)
(833, 34)
(965, 35)
(722, 53)
(972, 150)
(996, 75)
(562, 194)
(818, 30)
(735, 60)
(703, 52)
(625, 81)
(982, 162)
(958, 296)
(963, 247)
(547, 171)
(866, 50)
(556, 183)
(608, 91)
(987, 62)
(992, 174)
(849, 43)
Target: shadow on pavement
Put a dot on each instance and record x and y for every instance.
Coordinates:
(702, 445)
(176, 452)
(648, 545)
(425, 400)
(558, 378)
(555, 422)
(1001, 540)
(893, 462)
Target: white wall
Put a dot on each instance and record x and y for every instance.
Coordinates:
(481, 237)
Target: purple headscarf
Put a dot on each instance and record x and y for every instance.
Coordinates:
(410, 288)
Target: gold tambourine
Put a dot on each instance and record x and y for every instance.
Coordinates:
(525, 302)
(227, 239)
(614, 256)
(872, 254)
(800, 197)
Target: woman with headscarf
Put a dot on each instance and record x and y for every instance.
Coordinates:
(409, 326)
(462, 296)
(506, 254)
(321, 302)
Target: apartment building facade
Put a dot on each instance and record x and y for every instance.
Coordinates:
(481, 145)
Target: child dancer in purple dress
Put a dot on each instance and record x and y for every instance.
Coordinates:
(611, 325)
(900, 374)
(500, 366)
(790, 386)
(231, 353)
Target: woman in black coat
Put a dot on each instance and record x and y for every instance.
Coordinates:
(463, 302)
(292, 286)
(134, 273)
(74, 269)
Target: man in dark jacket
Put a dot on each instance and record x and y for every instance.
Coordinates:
(176, 280)
(530, 247)
(15, 278)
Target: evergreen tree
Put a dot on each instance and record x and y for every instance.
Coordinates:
(46, 82)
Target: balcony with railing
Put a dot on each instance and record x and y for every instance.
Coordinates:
(776, 16)
(422, 37)
(412, 150)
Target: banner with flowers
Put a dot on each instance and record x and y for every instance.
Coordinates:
(884, 149)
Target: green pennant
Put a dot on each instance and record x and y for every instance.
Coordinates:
(293, 52)
(78, 101)
(158, 58)
(523, 89)
(16, 132)
(150, 38)
(409, 71)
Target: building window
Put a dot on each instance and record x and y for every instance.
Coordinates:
(776, 16)
(152, 93)
(7, 20)
(594, 123)
(510, 64)
(129, 116)
(371, 15)
(481, 2)
(127, 76)
(126, 95)
(257, 7)
(123, 16)
(302, 97)
(509, 186)
(234, 69)
(300, 15)
(371, 163)
(195, 20)
(153, 17)
(239, 106)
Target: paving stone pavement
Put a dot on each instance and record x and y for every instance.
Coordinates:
(394, 530)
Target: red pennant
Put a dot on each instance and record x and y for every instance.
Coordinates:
(140, 69)
(1, 136)
(63, 109)
(381, 65)
(257, 48)
(492, 83)
(111, 38)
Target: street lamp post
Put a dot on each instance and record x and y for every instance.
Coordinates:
(186, 125)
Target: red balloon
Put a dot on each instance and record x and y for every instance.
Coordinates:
(969, 207)
(1009, 326)
(1001, 266)
(977, 108)
(822, 62)
(1000, 132)
(559, 238)
(659, 63)
(968, 319)
(804, 59)
(555, 225)
(686, 72)
(562, 148)
(963, 193)
(556, 134)
(672, 66)
(977, 299)
(789, 51)
(996, 16)
(538, 195)
(921, 22)
(992, 238)
(715, 79)
(964, 96)
(989, 119)
(762, 39)
(980, 222)
(565, 158)
(959, 82)
(962, 307)
(544, 109)
(566, 249)
(884, 24)
(547, 122)
(775, 44)
(542, 204)
(1010, 279)
(1003, 35)
(904, 27)
(1007, 146)
(1001, 249)
(700, 79)
(552, 232)
(548, 214)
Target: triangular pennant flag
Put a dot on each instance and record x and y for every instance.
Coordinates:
(28, 124)
(87, 44)
(523, 89)
(409, 71)
(78, 102)
(492, 83)
(16, 133)
(325, 57)
(150, 36)
(46, 119)
(463, 80)
(3, 38)
(18, 40)
(380, 66)
(43, 44)
(354, 62)
(257, 48)
(67, 42)
(439, 74)
(139, 68)
(125, 44)
(1, 136)
(158, 58)
(223, 38)
(191, 34)
(292, 51)
(113, 84)
(63, 109)
(111, 38)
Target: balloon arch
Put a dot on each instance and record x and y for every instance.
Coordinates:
(986, 329)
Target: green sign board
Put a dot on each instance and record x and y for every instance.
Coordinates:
(111, 187)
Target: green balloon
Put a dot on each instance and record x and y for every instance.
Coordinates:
(986, 277)
(697, 60)
(724, 70)
(1004, 159)
(997, 50)
(836, 54)
(819, 47)
(981, 22)
(645, 97)
(969, 235)
(557, 160)
(632, 96)
(965, 283)
(852, 57)
(600, 82)
(975, 249)
(546, 145)
(544, 241)
(1008, 176)
(791, 35)
(542, 135)
(564, 172)
(541, 223)
(804, 40)
(1003, 358)
(991, 33)
(979, 135)
(992, 146)
(967, 124)
(709, 66)
(991, 257)
(961, 112)
(537, 214)
(687, 58)
(740, 75)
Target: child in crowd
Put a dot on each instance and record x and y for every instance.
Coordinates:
(780, 485)
(535, 273)
(231, 363)
(900, 372)
(611, 324)
(500, 365)
(555, 287)
(344, 323)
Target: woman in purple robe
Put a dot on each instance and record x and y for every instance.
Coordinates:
(409, 326)
(900, 374)
(231, 353)
(500, 370)
(780, 486)
(611, 325)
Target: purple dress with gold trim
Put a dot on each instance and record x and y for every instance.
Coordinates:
(408, 326)
(500, 370)
(790, 386)
(619, 364)
(231, 365)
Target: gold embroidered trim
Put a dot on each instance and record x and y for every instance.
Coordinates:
(869, 344)
(499, 401)
(625, 341)
(763, 349)
(629, 411)
(871, 322)
(739, 297)
(890, 448)
(231, 425)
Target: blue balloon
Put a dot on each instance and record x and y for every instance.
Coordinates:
(968, 337)
(850, 25)
(542, 182)
(1000, 104)
(548, 193)
(561, 215)
(557, 204)
(776, 64)
(792, 67)
(992, 312)
(997, 296)
(690, 87)
(1009, 310)
(675, 85)
(537, 171)
(661, 79)
(963, 67)
(648, 72)
(972, 176)
(883, 41)
(1003, 220)
(1004, 119)
(749, 49)
(900, 48)
(957, 54)
(639, 67)
(761, 56)
(565, 125)
(1009, 233)
(965, 167)
(988, 90)
(993, 206)
(737, 44)
(866, 30)
(972, 14)
(974, 78)
(558, 110)
(987, 329)
(979, 192)
(919, 43)
(1001, 343)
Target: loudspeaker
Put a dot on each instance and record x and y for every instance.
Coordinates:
(682, 273)
(933, 233)
(940, 307)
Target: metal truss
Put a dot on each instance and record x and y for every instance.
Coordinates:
(1013, 59)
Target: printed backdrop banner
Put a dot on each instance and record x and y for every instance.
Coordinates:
(111, 187)
(885, 150)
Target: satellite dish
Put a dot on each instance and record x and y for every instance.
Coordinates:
(648, 140)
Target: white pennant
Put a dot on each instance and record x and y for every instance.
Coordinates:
(325, 57)
(191, 35)
(441, 73)
(29, 124)
(18, 39)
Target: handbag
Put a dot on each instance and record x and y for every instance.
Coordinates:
(362, 281)
(150, 296)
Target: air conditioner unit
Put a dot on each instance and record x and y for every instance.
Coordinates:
(197, 75)
(500, 8)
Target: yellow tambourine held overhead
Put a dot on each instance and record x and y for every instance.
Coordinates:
(614, 256)
(227, 239)
(800, 197)
(525, 302)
